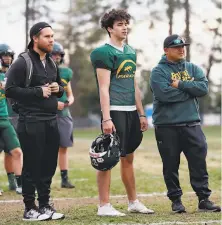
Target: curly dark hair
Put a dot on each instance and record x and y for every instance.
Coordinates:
(109, 18)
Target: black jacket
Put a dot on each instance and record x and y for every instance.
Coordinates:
(32, 104)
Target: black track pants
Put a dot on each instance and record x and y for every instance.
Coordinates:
(171, 141)
(40, 143)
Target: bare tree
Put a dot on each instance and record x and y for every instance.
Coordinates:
(35, 9)
(187, 30)
(170, 12)
(206, 103)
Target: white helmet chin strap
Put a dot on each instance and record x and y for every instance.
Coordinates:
(100, 154)
(94, 154)
(112, 139)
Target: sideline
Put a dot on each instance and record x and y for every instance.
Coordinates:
(96, 197)
(170, 223)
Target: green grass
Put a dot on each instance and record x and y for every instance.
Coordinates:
(76, 214)
(148, 170)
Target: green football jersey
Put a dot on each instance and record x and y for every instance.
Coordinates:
(3, 106)
(10, 112)
(122, 65)
(66, 76)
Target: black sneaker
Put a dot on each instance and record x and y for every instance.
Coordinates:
(67, 184)
(177, 206)
(51, 212)
(35, 215)
(206, 205)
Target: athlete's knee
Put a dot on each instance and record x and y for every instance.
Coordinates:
(16, 153)
(127, 160)
(62, 150)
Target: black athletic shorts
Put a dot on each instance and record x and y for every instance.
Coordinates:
(127, 126)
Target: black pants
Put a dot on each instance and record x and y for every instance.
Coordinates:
(171, 141)
(40, 143)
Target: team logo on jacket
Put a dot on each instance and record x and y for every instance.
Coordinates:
(181, 75)
(126, 69)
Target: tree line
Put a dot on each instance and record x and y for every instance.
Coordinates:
(80, 33)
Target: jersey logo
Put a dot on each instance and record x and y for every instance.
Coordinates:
(126, 69)
(2, 95)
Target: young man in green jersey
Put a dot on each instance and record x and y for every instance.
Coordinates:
(64, 118)
(176, 84)
(13, 153)
(122, 111)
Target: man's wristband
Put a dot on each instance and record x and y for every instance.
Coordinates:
(142, 116)
(103, 121)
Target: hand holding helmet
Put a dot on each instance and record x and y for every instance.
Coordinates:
(105, 152)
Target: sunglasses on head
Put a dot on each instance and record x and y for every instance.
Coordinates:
(177, 41)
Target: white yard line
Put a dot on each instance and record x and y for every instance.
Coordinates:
(95, 197)
(58, 181)
(181, 223)
(74, 180)
(171, 223)
(122, 196)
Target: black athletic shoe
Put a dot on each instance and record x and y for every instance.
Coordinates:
(206, 205)
(51, 212)
(35, 215)
(67, 184)
(177, 206)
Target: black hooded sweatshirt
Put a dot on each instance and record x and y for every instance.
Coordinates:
(32, 104)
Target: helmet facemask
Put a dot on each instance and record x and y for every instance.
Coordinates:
(58, 49)
(105, 152)
(5, 50)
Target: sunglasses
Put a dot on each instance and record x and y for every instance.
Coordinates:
(177, 41)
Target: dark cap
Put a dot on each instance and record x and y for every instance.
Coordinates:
(174, 41)
(36, 28)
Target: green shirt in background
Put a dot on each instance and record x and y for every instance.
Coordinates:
(66, 76)
(3, 107)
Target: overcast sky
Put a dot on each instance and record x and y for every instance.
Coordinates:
(12, 25)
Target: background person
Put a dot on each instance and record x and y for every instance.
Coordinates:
(12, 162)
(64, 118)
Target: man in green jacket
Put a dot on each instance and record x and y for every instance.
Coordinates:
(176, 84)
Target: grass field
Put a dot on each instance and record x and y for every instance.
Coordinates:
(80, 204)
